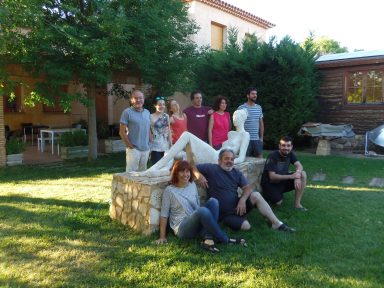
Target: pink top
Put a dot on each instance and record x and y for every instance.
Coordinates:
(178, 127)
(221, 125)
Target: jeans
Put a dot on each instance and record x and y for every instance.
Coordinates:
(203, 221)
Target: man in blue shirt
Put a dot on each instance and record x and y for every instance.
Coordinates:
(135, 132)
(222, 181)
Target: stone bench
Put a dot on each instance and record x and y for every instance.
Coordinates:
(136, 201)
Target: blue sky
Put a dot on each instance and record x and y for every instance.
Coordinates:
(354, 24)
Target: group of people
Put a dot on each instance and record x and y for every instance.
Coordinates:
(202, 129)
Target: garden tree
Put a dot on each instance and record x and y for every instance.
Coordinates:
(284, 74)
(323, 45)
(85, 41)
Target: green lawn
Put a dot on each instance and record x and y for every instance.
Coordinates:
(55, 231)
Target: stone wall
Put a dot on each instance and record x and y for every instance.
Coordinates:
(136, 201)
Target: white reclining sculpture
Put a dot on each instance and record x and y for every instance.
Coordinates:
(203, 153)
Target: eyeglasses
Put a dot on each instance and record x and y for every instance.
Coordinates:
(159, 98)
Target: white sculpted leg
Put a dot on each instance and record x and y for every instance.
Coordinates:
(202, 151)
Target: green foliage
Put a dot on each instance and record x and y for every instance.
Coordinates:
(84, 41)
(322, 45)
(75, 138)
(14, 146)
(283, 73)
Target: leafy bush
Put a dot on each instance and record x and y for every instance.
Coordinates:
(284, 74)
(15, 146)
(75, 138)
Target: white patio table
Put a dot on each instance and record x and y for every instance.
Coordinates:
(51, 135)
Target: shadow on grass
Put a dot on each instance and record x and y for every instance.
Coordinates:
(114, 163)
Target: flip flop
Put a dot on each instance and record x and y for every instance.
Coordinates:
(238, 240)
(285, 228)
(209, 247)
(302, 209)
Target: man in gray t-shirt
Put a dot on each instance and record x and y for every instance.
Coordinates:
(135, 132)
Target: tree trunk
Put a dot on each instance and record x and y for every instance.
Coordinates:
(92, 131)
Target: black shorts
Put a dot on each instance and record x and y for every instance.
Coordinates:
(235, 221)
(273, 192)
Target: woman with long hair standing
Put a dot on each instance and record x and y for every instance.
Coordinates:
(219, 122)
(160, 130)
(178, 120)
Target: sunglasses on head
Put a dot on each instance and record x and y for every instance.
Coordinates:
(159, 98)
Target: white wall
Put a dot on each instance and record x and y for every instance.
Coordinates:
(204, 14)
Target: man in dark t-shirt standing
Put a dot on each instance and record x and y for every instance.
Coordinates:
(198, 116)
(222, 182)
(277, 179)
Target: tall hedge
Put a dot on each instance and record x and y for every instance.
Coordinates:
(284, 74)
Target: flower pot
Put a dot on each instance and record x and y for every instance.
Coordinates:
(73, 152)
(15, 159)
(114, 145)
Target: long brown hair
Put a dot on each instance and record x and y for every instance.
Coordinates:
(180, 165)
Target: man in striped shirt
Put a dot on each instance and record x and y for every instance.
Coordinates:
(254, 124)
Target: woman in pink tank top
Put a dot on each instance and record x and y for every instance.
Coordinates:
(219, 122)
(178, 120)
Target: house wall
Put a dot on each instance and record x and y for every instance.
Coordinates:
(334, 110)
(204, 14)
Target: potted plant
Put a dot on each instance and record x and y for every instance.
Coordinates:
(112, 144)
(73, 145)
(14, 149)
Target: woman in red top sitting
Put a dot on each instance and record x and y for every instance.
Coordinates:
(219, 122)
(177, 119)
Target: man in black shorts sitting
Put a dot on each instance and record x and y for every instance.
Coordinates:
(222, 181)
(277, 179)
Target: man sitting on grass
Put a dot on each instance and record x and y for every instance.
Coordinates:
(222, 181)
(277, 179)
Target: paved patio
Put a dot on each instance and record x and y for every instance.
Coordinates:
(34, 156)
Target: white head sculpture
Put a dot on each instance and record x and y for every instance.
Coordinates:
(239, 117)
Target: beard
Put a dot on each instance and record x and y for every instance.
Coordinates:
(226, 168)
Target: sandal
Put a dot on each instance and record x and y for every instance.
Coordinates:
(285, 228)
(209, 247)
(237, 240)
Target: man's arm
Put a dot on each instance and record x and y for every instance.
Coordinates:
(200, 179)
(261, 129)
(241, 208)
(124, 136)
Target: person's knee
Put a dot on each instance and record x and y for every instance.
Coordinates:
(212, 202)
(245, 225)
(204, 212)
(304, 175)
(255, 197)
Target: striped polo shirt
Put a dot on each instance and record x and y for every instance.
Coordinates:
(252, 124)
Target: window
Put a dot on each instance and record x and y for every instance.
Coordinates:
(365, 87)
(217, 36)
(56, 107)
(12, 101)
